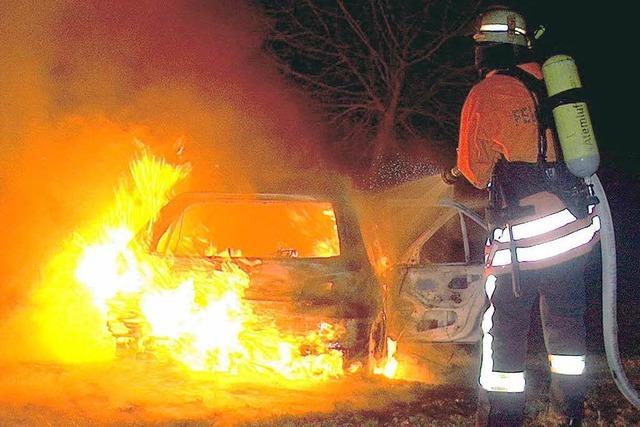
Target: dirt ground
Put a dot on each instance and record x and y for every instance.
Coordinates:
(147, 393)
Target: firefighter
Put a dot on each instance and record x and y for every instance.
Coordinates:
(542, 223)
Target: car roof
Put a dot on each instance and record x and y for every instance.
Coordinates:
(205, 196)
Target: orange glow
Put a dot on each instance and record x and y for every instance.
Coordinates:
(390, 366)
(116, 295)
(254, 229)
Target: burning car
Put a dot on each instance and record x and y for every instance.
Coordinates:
(307, 291)
(282, 283)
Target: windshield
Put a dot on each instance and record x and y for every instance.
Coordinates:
(253, 228)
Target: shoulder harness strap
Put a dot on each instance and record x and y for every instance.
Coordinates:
(538, 94)
(572, 190)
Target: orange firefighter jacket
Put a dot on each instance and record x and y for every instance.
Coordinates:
(499, 119)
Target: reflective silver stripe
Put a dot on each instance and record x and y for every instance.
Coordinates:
(500, 27)
(559, 245)
(486, 366)
(501, 235)
(567, 365)
(538, 226)
(501, 257)
(549, 249)
(510, 382)
(542, 225)
(507, 382)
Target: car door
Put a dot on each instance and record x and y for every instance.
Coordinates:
(437, 293)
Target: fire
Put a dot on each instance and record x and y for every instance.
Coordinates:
(99, 267)
(330, 246)
(390, 366)
(196, 316)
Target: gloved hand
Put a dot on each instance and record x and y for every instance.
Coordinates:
(450, 176)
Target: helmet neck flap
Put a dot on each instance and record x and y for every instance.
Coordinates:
(495, 56)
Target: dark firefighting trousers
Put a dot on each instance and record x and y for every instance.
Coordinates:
(505, 328)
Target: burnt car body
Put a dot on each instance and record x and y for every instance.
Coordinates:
(437, 294)
(271, 237)
(429, 241)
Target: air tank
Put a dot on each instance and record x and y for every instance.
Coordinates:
(571, 115)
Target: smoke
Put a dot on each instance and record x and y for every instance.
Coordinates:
(81, 81)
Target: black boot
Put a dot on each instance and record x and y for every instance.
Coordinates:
(500, 410)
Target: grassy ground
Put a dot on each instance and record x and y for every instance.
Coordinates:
(454, 405)
(146, 395)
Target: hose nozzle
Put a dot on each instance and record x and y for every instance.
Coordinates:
(450, 176)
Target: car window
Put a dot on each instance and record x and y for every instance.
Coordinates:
(477, 237)
(446, 245)
(254, 228)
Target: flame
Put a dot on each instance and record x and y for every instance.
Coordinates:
(197, 316)
(390, 366)
(325, 244)
(330, 246)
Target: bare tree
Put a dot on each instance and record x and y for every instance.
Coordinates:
(384, 71)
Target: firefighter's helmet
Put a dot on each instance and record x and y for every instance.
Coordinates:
(501, 25)
(501, 40)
